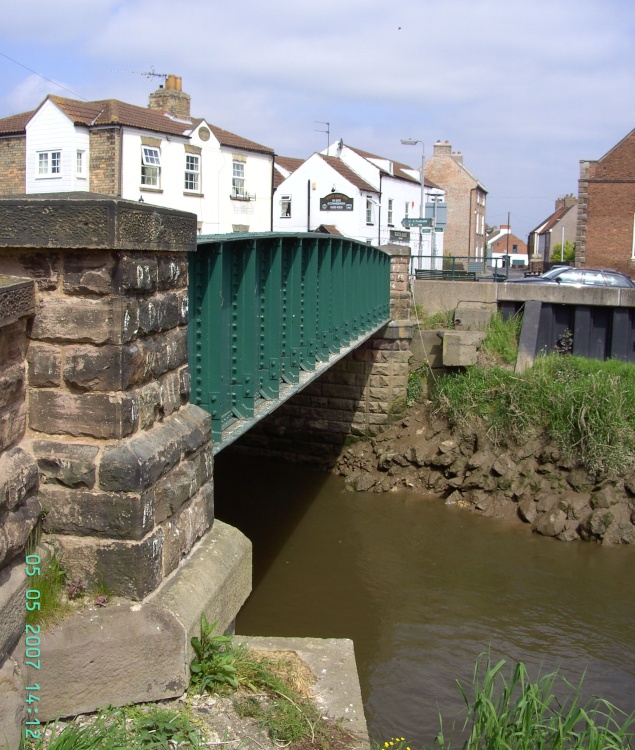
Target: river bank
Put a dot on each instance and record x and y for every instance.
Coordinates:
(533, 482)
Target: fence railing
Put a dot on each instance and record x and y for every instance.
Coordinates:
(460, 268)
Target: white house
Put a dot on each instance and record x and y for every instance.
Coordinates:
(159, 155)
(359, 195)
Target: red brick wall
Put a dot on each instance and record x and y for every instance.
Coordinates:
(13, 165)
(610, 209)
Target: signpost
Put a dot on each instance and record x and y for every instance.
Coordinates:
(416, 222)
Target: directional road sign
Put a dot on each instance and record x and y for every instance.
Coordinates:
(416, 222)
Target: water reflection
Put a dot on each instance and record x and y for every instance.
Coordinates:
(422, 589)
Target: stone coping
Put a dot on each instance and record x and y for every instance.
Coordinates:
(17, 299)
(90, 221)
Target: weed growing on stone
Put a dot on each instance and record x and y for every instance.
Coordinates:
(130, 728)
(50, 582)
(270, 688)
(427, 321)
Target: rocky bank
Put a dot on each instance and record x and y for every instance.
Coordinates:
(533, 482)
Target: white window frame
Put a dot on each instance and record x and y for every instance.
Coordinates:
(238, 179)
(369, 211)
(192, 173)
(285, 206)
(49, 164)
(390, 212)
(80, 162)
(150, 167)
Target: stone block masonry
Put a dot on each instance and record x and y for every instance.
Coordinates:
(358, 396)
(123, 460)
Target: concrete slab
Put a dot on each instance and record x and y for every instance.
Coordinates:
(460, 348)
(332, 661)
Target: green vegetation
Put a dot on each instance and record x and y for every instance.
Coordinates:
(49, 581)
(585, 406)
(415, 389)
(272, 690)
(501, 338)
(442, 319)
(133, 728)
(569, 253)
(518, 714)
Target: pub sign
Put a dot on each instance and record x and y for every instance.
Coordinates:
(336, 202)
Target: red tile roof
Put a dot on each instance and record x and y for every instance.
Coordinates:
(115, 112)
(398, 167)
(15, 123)
(347, 173)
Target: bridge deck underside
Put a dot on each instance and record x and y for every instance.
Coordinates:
(271, 312)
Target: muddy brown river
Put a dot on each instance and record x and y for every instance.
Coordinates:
(422, 589)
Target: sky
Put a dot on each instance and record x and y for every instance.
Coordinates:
(525, 89)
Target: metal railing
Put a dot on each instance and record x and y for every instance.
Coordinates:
(460, 268)
(266, 307)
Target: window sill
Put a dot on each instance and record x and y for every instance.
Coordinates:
(49, 177)
(189, 194)
(245, 198)
(370, 224)
(146, 189)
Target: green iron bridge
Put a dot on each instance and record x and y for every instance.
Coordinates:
(271, 312)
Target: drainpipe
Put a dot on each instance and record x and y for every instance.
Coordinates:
(273, 169)
(120, 178)
(308, 205)
(379, 214)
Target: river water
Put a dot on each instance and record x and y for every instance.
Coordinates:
(422, 589)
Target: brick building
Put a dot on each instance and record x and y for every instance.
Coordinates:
(158, 154)
(466, 199)
(606, 209)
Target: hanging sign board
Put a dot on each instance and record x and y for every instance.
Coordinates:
(416, 222)
(398, 236)
(336, 202)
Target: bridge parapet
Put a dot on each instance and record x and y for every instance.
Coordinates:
(124, 459)
(270, 310)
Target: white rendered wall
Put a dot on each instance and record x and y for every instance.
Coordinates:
(51, 130)
(215, 210)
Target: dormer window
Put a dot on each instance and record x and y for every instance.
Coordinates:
(49, 163)
(150, 166)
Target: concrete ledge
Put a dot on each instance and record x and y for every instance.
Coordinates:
(332, 661)
(131, 653)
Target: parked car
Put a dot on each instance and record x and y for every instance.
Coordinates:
(578, 277)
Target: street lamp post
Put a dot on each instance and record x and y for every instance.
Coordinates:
(413, 142)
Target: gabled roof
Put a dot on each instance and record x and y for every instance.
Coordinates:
(283, 167)
(289, 163)
(398, 167)
(115, 112)
(347, 173)
(551, 221)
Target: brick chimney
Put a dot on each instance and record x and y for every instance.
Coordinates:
(442, 149)
(567, 202)
(171, 98)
